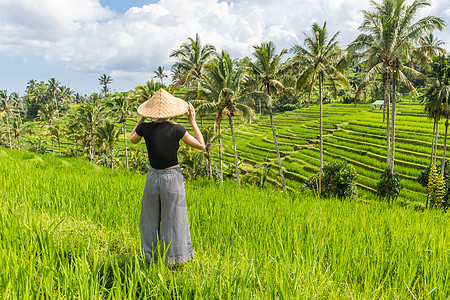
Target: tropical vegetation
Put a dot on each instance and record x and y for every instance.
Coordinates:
(294, 196)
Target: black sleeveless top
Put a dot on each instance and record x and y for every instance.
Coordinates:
(162, 141)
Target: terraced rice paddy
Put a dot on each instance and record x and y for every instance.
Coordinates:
(355, 135)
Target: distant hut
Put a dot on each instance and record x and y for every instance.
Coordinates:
(378, 102)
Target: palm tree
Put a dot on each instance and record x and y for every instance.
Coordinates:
(266, 71)
(54, 92)
(192, 58)
(428, 47)
(436, 100)
(210, 137)
(388, 39)
(74, 131)
(446, 114)
(104, 80)
(17, 107)
(108, 136)
(56, 132)
(37, 95)
(204, 107)
(222, 85)
(320, 60)
(121, 104)
(145, 91)
(90, 115)
(159, 73)
(18, 128)
(5, 108)
(65, 94)
(175, 73)
(46, 115)
(78, 98)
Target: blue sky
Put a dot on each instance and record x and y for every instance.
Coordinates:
(121, 6)
(76, 41)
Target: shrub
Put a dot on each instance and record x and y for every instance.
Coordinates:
(38, 146)
(389, 184)
(423, 180)
(337, 180)
(436, 188)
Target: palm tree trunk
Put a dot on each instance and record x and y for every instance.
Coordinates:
(53, 148)
(432, 142)
(278, 151)
(234, 149)
(321, 123)
(445, 147)
(18, 143)
(9, 131)
(57, 111)
(393, 123)
(89, 150)
(436, 141)
(386, 107)
(220, 155)
(76, 148)
(93, 152)
(111, 157)
(208, 164)
(309, 95)
(59, 147)
(125, 139)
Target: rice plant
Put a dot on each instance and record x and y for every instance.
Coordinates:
(71, 230)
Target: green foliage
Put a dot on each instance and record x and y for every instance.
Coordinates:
(425, 175)
(138, 161)
(436, 188)
(389, 184)
(38, 146)
(337, 180)
(284, 103)
(256, 176)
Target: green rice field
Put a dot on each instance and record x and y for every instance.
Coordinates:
(70, 230)
(355, 135)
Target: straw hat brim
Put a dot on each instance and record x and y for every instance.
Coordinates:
(163, 105)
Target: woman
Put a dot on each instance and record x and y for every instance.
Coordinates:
(164, 220)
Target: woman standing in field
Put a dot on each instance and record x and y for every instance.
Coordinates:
(164, 216)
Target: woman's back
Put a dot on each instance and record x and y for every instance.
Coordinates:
(162, 141)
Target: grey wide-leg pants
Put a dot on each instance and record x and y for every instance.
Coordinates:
(164, 217)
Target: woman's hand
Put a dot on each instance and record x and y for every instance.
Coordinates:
(191, 113)
(198, 141)
(134, 137)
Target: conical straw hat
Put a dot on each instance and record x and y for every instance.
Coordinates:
(162, 105)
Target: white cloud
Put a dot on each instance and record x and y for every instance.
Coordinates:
(88, 37)
(447, 12)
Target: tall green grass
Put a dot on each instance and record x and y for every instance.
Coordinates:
(71, 230)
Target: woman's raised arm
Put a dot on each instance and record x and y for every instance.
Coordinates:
(134, 137)
(198, 141)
